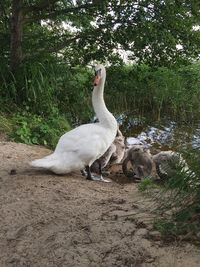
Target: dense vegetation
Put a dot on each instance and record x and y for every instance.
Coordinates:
(177, 200)
(47, 48)
(161, 92)
(56, 91)
(81, 30)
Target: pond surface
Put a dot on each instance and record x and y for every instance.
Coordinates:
(165, 134)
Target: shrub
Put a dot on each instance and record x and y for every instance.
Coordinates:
(179, 200)
(42, 87)
(156, 92)
(35, 129)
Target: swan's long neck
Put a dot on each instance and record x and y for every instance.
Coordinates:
(102, 113)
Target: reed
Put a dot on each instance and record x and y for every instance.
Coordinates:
(177, 200)
(41, 87)
(144, 91)
(161, 92)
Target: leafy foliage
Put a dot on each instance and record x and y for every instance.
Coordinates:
(41, 41)
(83, 31)
(35, 129)
(162, 91)
(178, 200)
(48, 86)
(137, 89)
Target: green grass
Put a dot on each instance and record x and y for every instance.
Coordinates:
(178, 200)
(39, 88)
(146, 184)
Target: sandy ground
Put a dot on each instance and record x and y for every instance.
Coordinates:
(60, 221)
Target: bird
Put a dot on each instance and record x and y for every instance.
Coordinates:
(119, 144)
(80, 147)
(167, 162)
(141, 160)
(113, 155)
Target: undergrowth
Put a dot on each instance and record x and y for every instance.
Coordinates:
(5, 123)
(178, 200)
(146, 184)
(140, 89)
(162, 91)
(35, 129)
(40, 88)
(30, 128)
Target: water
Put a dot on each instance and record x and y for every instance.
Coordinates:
(164, 135)
(159, 136)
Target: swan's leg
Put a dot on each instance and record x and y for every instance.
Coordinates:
(83, 172)
(89, 175)
(100, 167)
(95, 178)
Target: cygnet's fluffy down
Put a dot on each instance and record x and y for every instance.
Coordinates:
(166, 161)
(113, 155)
(141, 161)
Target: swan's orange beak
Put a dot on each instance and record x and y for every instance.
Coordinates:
(97, 79)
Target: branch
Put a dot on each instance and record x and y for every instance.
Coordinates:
(59, 46)
(56, 48)
(40, 6)
(56, 13)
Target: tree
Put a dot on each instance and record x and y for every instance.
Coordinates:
(149, 29)
(152, 29)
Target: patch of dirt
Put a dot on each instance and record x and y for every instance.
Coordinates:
(48, 220)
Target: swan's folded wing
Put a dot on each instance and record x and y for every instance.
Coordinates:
(73, 139)
(86, 139)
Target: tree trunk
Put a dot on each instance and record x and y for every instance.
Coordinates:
(16, 35)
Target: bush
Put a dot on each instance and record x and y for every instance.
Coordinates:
(42, 87)
(179, 200)
(156, 92)
(138, 89)
(35, 129)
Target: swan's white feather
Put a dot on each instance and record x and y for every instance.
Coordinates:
(77, 149)
(83, 145)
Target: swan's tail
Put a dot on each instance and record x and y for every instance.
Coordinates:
(58, 164)
(46, 163)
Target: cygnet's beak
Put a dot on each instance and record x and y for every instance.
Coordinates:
(97, 79)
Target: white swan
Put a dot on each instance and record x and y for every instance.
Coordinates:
(80, 147)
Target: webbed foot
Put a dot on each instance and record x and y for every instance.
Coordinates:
(93, 177)
(98, 178)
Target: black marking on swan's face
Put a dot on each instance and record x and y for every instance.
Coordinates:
(98, 72)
